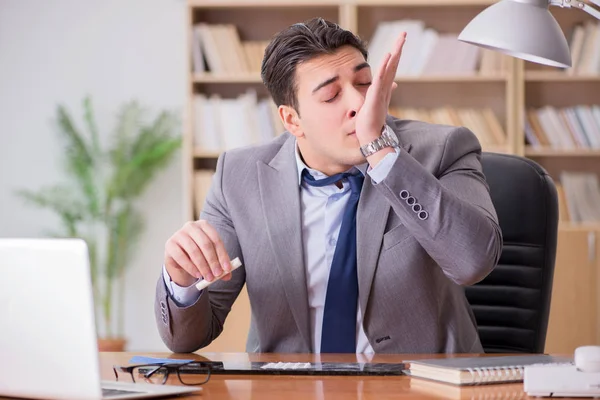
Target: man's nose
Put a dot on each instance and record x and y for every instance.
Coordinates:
(355, 103)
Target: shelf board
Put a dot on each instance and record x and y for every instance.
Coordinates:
(452, 78)
(499, 148)
(552, 152)
(216, 78)
(264, 3)
(198, 153)
(550, 76)
(255, 78)
(420, 3)
(330, 3)
(579, 226)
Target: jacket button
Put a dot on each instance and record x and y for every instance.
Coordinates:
(423, 215)
(411, 200)
(416, 207)
(404, 194)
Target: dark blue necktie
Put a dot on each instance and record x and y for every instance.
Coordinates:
(341, 302)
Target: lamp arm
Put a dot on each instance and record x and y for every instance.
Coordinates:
(578, 4)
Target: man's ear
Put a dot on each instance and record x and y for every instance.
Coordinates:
(291, 120)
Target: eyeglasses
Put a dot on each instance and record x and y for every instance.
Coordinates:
(192, 373)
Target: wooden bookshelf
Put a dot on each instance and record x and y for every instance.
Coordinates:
(552, 152)
(573, 321)
(552, 76)
(522, 85)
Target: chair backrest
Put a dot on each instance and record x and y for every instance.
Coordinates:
(512, 304)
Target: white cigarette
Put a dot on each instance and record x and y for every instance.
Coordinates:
(203, 284)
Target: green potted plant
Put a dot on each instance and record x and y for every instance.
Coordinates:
(97, 202)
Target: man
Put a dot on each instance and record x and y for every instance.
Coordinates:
(370, 261)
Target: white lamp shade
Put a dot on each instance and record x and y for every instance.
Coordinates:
(520, 28)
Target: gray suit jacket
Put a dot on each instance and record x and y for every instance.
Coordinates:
(410, 271)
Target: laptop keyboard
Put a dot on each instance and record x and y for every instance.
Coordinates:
(117, 392)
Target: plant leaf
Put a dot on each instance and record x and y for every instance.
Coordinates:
(80, 162)
(59, 199)
(92, 127)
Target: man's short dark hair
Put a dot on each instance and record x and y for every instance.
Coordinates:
(300, 43)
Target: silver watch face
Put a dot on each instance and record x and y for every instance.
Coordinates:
(387, 139)
(389, 135)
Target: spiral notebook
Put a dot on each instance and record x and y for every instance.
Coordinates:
(478, 370)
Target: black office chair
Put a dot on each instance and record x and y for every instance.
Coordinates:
(512, 304)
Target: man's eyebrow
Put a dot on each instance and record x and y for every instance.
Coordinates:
(335, 78)
(361, 66)
(327, 82)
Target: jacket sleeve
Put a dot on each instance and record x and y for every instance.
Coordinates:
(454, 219)
(189, 328)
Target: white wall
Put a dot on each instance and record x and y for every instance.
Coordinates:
(59, 50)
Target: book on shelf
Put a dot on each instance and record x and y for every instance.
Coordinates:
(576, 127)
(218, 49)
(428, 52)
(478, 370)
(585, 49)
(482, 122)
(225, 123)
(579, 193)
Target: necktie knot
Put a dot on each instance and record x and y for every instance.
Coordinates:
(355, 180)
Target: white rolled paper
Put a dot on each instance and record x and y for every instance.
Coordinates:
(203, 284)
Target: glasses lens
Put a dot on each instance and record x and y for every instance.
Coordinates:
(193, 374)
(150, 374)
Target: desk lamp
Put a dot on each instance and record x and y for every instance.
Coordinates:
(525, 29)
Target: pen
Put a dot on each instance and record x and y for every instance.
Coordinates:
(203, 284)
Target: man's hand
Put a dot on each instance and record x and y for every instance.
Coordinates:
(196, 251)
(371, 117)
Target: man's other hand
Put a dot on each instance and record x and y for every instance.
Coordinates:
(196, 251)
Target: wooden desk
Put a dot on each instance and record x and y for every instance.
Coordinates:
(245, 387)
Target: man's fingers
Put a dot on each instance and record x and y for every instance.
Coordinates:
(223, 257)
(207, 249)
(226, 277)
(195, 253)
(380, 75)
(176, 253)
(394, 60)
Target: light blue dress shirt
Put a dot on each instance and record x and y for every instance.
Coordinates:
(322, 213)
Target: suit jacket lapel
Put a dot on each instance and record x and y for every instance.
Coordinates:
(280, 195)
(371, 219)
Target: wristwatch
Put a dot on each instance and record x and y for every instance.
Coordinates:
(387, 139)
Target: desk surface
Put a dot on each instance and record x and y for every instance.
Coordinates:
(246, 387)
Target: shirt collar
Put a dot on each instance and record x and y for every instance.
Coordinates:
(362, 168)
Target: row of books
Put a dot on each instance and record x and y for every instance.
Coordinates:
(217, 48)
(564, 128)
(482, 122)
(225, 123)
(578, 197)
(585, 49)
(429, 52)
(257, 121)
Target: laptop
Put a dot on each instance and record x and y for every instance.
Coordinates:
(48, 343)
